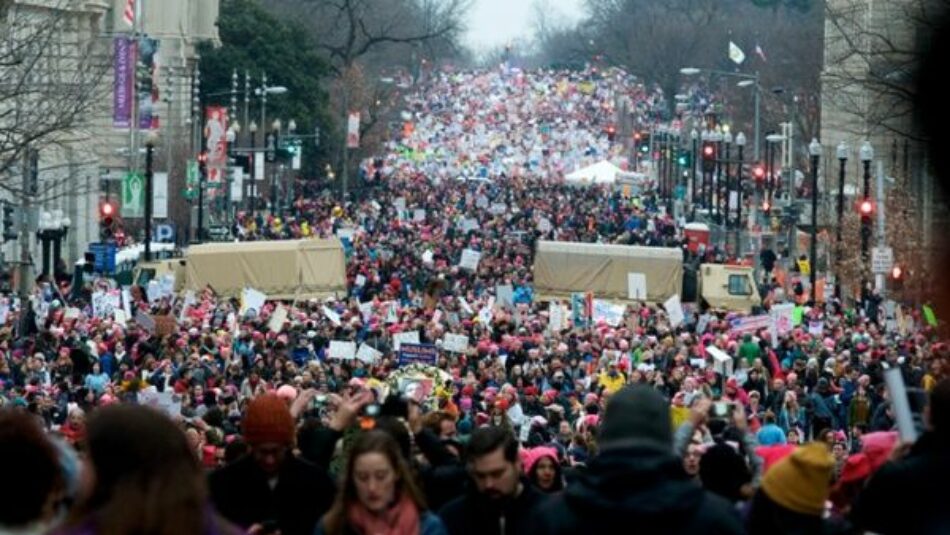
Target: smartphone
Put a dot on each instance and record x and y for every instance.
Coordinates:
(722, 410)
(371, 410)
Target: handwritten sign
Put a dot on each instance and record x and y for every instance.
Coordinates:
(674, 309)
(470, 259)
(410, 337)
(368, 354)
(457, 343)
(342, 350)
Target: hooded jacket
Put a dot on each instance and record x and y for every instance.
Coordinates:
(475, 514)
(635, 490)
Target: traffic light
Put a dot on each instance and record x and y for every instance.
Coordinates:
(897, 277)
(9, 223)
(758, 173)
(766, 208)
(203, 164)
(709, 156)
(866, 209)
(683, 158)
(106, 221)
(643, 143)
(611, 133)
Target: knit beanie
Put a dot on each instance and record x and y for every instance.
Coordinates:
(637, 416)
(801, 482)
(268, 421)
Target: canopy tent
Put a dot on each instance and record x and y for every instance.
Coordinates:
(599, 173)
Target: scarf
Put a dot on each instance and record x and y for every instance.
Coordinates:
(400, 519)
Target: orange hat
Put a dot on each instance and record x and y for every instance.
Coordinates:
(268, 421)
(801, 482)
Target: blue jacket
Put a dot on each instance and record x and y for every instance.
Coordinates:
(429, 524)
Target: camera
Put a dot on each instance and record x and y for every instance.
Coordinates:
(722, 410)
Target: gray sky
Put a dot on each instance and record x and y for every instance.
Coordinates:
(496, 22)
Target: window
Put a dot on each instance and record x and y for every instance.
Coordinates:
(739, 285)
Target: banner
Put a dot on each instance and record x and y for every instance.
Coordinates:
(133, 195)
(608, 313)
(418, 353)
(750, 324)
(122, 82)
(216, 141)
(353, 130)
(160, 195)
(147, 77)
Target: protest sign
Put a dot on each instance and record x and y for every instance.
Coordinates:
(637, 286)
(277, 319)
(544, 225)
(469, 224)
(419, 215)
(609, 313)
(465, 306)
(105, 302)
(342, 350)
(721, 360)
(749, 324)
(332, 316)
(674, 309)
(252, 301)
(815, 328)
(470, 259)
(418, 353)
(366, 311)
(505, 295)
(409, 337)
(368, 354)
(145, 321)
(555, 317)
(164, 324)
(457, 343)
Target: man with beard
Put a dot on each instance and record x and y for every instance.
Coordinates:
(499, 500)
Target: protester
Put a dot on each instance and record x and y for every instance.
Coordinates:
(271, 486)
(378, 495)
(500, 500)
(35, 483)
(636, 482)
(142, 478)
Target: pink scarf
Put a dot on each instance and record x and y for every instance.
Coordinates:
(400, 519)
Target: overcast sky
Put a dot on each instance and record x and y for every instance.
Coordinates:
(496, 22)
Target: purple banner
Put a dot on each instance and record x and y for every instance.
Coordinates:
(122, 84)
(147, 54)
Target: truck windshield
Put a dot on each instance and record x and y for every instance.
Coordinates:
(739, 285)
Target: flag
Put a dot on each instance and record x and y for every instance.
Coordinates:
(761, 53)
(736, 54)
(129, 14)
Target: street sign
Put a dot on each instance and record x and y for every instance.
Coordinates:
(105, 257)
(218, 233)
(882, 259)
(164, 233)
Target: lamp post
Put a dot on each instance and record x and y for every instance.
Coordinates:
(740, 146)
(842, 153)
(52, 228)
(275, 130)
(724, 188)
(252, 190)
(716, 180)
(149, 187)
(814, 149)
(771, 140)
(866, 154)
(232, 136)
(694, 135)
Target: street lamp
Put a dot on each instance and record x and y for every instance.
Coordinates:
(772, 139)
(694, 135)
(727, 141)
(740, 143)
(252, 191)
(150, 141)
(715, 179)
(866, 153)
(842, 153)
(814, 149)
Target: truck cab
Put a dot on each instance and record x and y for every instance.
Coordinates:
(728, 287)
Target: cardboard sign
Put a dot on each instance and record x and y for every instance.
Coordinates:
(342, 350)
(409, 337)
(637, 286)
(722, 362)
(674, 309)
(418, 353)
(252, 301)
(368, 354)
(164, 325)
(277, 319)
(470, 259)
(457, 343)
(505, 295)
(145, 321)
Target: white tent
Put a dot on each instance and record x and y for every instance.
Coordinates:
(599, 173)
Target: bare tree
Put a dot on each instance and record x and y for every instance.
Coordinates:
(50, 81)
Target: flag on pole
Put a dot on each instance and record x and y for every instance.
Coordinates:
(129, 14)
(761, 53)
(736, 54)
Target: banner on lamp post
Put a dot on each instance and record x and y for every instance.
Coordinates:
(122, 83)
(216, 137)
(353, 130)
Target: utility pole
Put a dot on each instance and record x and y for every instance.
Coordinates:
(879, 278)
(25, 282)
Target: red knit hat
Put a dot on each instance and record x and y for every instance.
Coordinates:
(268, 420)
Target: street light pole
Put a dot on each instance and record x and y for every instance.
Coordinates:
(842, 160)
(252, 193)
(814, 149)
(724, 187)
(149, 186)
(694, 135)
(740, 143)
(866, 154)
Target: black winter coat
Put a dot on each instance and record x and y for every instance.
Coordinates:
(909, 496)
(635, 491)
(473, 514)
(304, 492)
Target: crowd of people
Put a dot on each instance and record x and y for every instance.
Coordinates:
(532, 427)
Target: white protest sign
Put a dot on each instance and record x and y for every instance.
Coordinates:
(332, 316)
(702, 323)
(637, 286)
(153, 291)
(392, 312)
(119, 316)
(674, 309)
(544, 225)
(400, 204)
(505, 295)
(72, 313)
(457, 343)
(366, 311)
(610, 314)
(167, 284)
(360, 280)
(105, 302)
(419, 215)
(470, 259)
(367, 354)
(497, 208)
(277, 319)
(188, 301)
(252, 301)
(409, 337)
(485, 315)
(428, 257)
(346, 233)
(555, 317)
(127, 301)
(469, 225)
(815, 328)
(721, 361)
(342, 350)
(782, 318)
(481, 201)
(465, 306)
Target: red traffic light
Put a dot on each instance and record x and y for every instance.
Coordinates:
(758, 172)
(766, 206)
(636, 136)
(202, 157)
(709, 151)
(107, 210)
(897, 272)
(866, 207)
